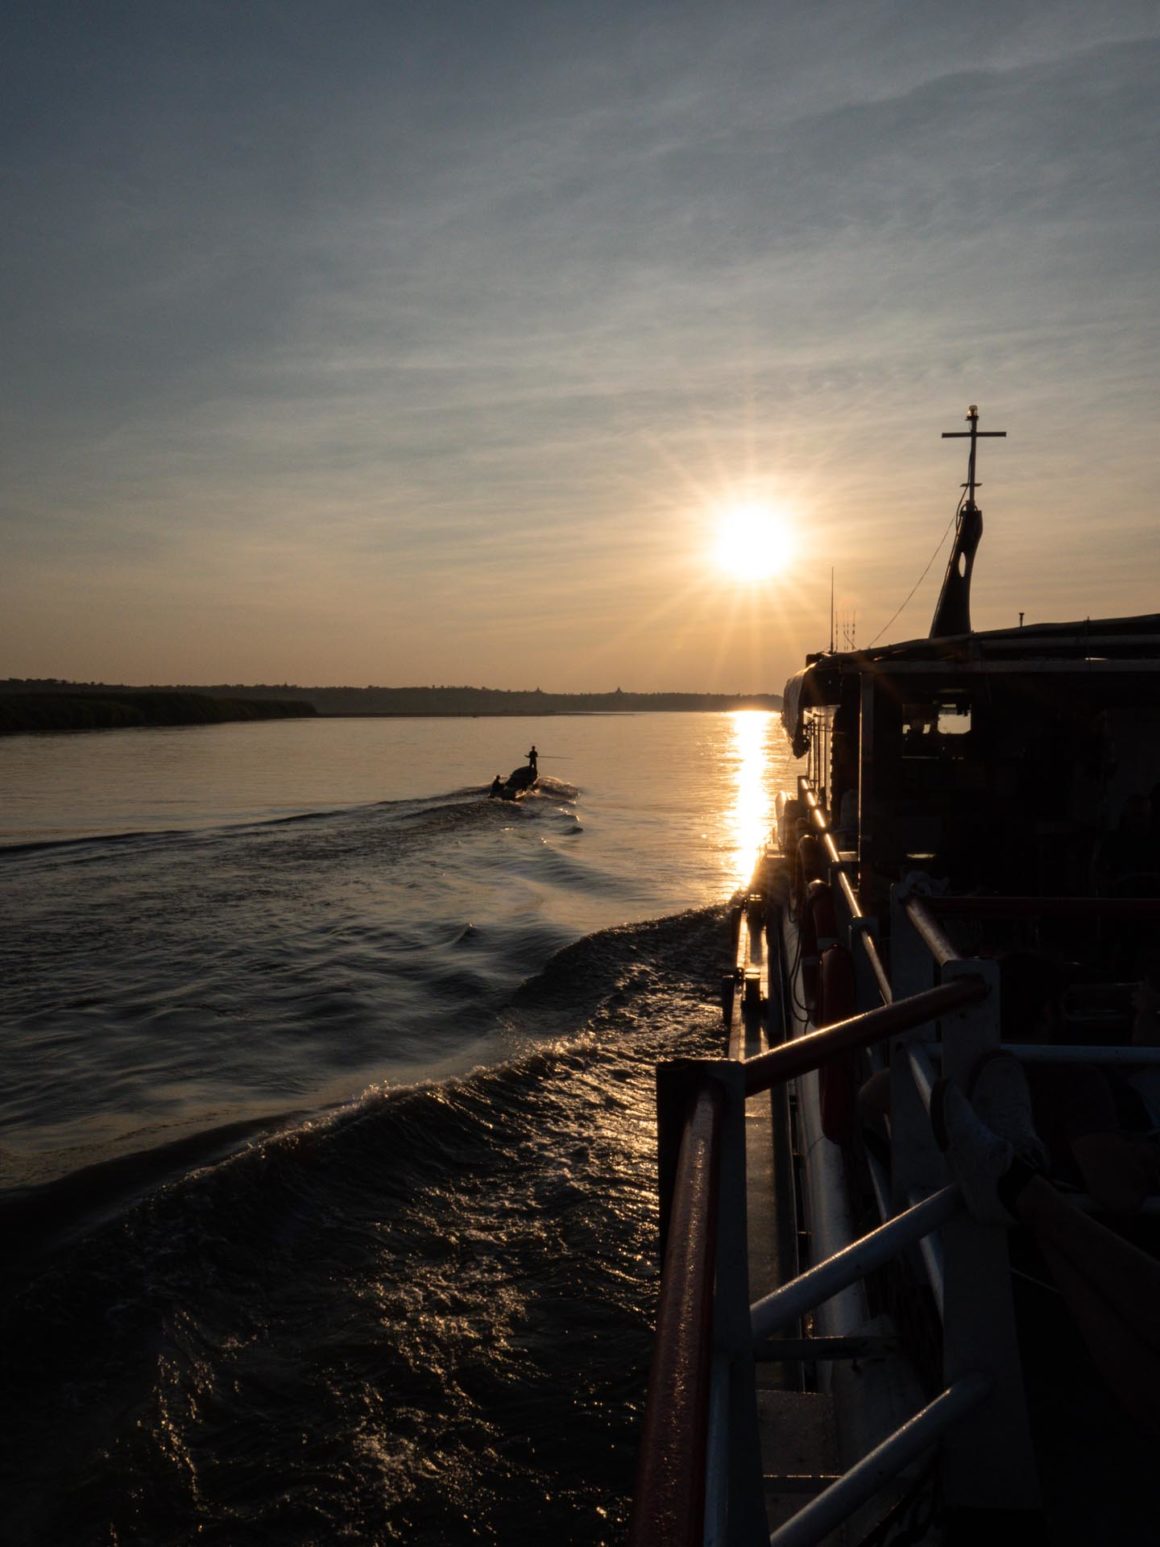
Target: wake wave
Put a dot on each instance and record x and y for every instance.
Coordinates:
(428, 1306)
(609, 978)
(467, 806)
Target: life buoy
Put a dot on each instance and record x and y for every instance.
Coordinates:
(809, 865)
(837, 1079)
(817, 931)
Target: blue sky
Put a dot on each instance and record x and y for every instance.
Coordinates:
(409, 343)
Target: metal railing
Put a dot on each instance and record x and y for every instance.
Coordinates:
(692, 1411)
(849, 897)
(817, 1048)
(670, 1499)
(669, 1502)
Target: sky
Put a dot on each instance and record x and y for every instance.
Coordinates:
(410, 342)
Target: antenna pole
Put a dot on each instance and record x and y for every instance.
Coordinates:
(952, 615)
(974, 434)
(831, 609)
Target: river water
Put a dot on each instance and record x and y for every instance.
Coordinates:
(326, 1123)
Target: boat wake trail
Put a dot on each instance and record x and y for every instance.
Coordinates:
(422, 1315)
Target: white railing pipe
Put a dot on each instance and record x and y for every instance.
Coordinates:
(828, 1278)
(839, 1501)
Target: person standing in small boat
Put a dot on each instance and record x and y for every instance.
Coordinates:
(532, 757)
(496, 786)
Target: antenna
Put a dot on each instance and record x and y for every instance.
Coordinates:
(831, 609)
(952, 615)
(975, 434)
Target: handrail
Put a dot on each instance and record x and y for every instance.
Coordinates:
(818, 818)
(1137, 1055)
(1045, 907)
(817, 1519)
(846, 887)
(670, 1496)
(881, 976)
(791, 1059)
(853, 1262)
(849, 895)
(928, 931)
(668, 1507)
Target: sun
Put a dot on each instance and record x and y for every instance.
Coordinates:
(753, 542)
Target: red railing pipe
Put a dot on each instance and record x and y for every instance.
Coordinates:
(791, 1059)
(846, 887)
(668, 1507)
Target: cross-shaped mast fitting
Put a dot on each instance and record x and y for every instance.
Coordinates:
(975, 435)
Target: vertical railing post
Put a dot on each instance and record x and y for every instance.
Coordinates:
(668, 1507)
(678, 1080)
(735, 1508)
(989, 1461)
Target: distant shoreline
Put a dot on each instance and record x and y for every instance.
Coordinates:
(530, 714)
(27, 713)
(31, 705)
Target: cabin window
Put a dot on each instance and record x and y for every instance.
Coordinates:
(938, 727)
(954, 719)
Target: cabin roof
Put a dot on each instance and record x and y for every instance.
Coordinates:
(1091, 638)
(1093, 646)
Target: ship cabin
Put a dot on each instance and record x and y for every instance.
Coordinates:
(1012, 762)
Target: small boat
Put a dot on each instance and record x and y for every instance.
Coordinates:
(517, 784)
(845, 1349)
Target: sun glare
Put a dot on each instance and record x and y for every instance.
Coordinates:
(752, 814)
(753, 542)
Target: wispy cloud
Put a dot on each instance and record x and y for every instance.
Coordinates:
(423, 346)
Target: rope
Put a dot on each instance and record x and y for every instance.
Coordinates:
(924, 574)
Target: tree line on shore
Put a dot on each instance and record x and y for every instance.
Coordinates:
(290, 699)
(92, 708)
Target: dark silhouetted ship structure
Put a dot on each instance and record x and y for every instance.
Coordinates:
(841, 1345)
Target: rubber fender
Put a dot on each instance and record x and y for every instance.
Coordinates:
(838, 1079)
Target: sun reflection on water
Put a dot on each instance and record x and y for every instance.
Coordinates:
(751, 814)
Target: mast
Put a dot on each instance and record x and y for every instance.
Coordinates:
(953, 612)
(831, 609)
